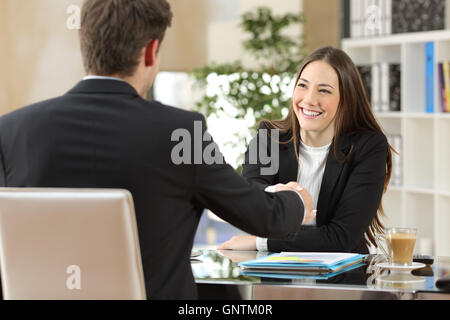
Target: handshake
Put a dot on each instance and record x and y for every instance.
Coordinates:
(249, 242)
(308, 202)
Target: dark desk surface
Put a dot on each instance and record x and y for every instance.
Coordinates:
(220, 268)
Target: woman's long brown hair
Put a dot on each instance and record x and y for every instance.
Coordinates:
(354, 115)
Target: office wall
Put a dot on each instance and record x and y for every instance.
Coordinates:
(42, 57)
(4, 57)
(225, 36)
(323, 25)
(206, 31)
(184, 46)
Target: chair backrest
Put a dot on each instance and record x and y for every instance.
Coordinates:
(69, 244)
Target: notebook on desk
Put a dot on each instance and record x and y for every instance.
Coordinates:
(293, 274)
(307, 263)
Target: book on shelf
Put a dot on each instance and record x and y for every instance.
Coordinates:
(441, 87)
(376, 79)
(395, 140)
(355, 18)
(444, 85)
(302, 263)
(418, 15)
(345, 20)
(382, 82)
(371, 18)
(387, 17)
(390, 86)
(429, 77)
(365, 72)
(368, 18)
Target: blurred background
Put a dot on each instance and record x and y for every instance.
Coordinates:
(235, 60)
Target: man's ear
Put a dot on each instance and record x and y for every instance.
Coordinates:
(151, 51)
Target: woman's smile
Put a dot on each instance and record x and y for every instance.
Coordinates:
(310, 114)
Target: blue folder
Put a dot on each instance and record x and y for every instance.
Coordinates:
(296, 275)
(256, 264)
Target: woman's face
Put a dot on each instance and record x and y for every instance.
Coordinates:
(316, 98)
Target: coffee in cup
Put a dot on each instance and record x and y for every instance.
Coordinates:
(400, 244)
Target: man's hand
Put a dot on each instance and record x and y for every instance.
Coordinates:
(308, 202)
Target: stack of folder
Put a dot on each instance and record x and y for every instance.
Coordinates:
(318, 265)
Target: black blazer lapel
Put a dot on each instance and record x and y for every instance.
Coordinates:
(288, 164)
(333, 169)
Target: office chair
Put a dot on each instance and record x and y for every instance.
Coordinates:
(69, 244)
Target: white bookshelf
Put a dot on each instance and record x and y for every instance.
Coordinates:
(423, 199)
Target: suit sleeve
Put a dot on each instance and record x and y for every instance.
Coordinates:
(251, 169)
(219, 188)
(356, 208)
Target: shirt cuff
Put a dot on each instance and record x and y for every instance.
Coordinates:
(261, 244)
(272, 189)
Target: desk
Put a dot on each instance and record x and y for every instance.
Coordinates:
(218, 275)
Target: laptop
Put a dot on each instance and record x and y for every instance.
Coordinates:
(69, 244)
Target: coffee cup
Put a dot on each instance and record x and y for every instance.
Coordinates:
(400, 244)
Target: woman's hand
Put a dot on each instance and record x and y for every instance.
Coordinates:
(239, 256)
(308, 202)
(239, 243)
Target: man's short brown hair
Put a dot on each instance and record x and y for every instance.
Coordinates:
(114, 32)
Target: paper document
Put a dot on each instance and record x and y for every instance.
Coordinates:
(322, 258)
(298, 274)
(305, 261)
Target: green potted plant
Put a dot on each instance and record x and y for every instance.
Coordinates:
(261, 92)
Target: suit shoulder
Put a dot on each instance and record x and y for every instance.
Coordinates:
(368, 143)
(29, 110)
(174, 117)
(372, 137)
(174, 111)
(361, 143)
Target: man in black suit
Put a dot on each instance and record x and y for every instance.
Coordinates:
(102, 133)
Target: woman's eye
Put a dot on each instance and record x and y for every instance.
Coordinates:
(324, 91)
(301, 85)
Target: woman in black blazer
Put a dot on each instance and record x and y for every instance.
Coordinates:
(330, 110)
